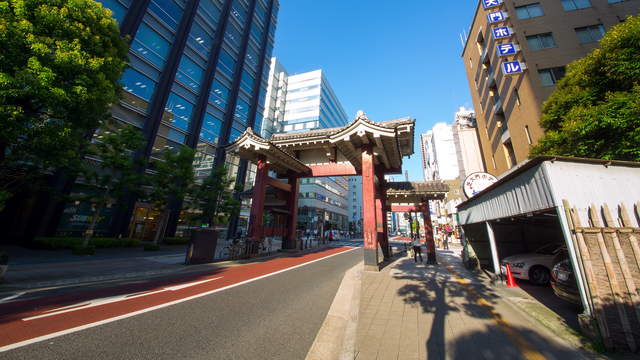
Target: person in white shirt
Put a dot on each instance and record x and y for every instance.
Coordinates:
(417, 250)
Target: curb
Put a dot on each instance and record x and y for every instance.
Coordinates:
(336, 339)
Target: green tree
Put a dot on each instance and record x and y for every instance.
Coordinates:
(111, 169)
(214, 198)
(595, 110)
(59, 69)
(172, 180)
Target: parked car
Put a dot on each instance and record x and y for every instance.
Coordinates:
(535, 266)
(563, 281)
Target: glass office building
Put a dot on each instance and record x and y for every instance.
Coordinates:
(197, 76)
(304, 102)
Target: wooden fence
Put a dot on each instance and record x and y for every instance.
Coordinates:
(608, 249)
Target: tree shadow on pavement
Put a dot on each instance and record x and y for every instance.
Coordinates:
(444, 290)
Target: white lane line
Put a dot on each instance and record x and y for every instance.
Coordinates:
(183, 286)
(16, 295)
(106, 321)
(113, 299)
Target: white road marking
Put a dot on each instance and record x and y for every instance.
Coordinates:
(16, 295)
(106, 321)
(113, 299)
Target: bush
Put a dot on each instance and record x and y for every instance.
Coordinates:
(57, 243)
(151, 247)
(176, 240)
(84, 250)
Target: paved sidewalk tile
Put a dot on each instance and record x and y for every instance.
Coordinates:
(418, 311)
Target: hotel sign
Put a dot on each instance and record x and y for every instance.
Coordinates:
(501, 32)
(507, 49)
(513, 67)
(488, 4)
(496, 17)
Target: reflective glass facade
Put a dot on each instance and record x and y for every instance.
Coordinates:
(197, 75)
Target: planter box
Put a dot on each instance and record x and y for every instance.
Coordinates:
(202, 248)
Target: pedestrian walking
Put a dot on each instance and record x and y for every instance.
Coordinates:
(417, 251)
(447, 236)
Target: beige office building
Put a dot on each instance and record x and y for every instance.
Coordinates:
(547, 35)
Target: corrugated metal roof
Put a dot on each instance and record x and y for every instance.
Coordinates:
(543, 182)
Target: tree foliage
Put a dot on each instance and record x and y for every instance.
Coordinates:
(111, 169)
(595, 110)
(213, 198)
(173, 178)
(59, 69)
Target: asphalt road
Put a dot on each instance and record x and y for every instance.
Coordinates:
(276, 317)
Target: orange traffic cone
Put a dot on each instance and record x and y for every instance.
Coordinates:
(511, 282)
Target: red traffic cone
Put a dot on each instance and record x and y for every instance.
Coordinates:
(511, 282)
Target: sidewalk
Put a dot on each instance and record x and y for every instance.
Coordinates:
(415, 311)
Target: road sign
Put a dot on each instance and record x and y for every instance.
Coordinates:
(513, 67)
(488, 4)
(507, 49)
(502, 32)
(496, 17)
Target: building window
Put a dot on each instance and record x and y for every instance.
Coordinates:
(516, 93)
(529, 11)
(493, 160)
(509, 154)
(615, 1)
(528, 134)
(550, 76)
(591, 33)
(569, 5)
(541, 41)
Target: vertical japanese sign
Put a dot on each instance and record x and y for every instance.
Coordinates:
(513, 67)
(488, 4)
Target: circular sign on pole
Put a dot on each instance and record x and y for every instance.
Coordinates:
(477, 182)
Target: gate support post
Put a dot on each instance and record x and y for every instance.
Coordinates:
(369, 210)
(494, 250)
(257, 205)
(428, 235)
(292, 219)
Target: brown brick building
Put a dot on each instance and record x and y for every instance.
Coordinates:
(549, 34)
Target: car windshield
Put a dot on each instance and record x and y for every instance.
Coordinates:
(548, 249)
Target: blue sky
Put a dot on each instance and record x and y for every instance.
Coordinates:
(388, 58)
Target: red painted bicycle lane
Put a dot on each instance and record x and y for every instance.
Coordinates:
(30, 322)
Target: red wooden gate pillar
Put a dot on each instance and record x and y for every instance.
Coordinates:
(381, 216)
(292, 219)
(428, 235)
(369, 227)
(257, 205)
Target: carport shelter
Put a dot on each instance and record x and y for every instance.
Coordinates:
(591, 207)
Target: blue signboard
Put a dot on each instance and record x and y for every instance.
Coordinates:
(496, 17)
(488, 4)
(501, 32)
(506, 49)
(512, 67)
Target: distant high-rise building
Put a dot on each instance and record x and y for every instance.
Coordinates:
(465, 139)
(545, 35)
(439, 153)
(312, 104)
(274, 107)
(307, 102)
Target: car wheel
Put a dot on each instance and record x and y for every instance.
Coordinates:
(539, 275)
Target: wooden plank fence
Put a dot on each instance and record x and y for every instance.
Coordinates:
(608, 251)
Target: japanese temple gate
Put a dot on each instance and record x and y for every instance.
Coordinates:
(362, 148)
